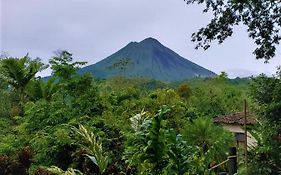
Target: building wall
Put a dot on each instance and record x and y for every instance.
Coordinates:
(251, 141)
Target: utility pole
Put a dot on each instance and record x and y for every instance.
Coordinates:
(245, 134)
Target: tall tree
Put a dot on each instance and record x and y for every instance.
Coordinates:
(62, 65)
(265, 92)
(262, 18)
(121, 65)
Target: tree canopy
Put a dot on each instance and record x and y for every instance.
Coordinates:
(77, 123)
(18, 71)
(62, 64)
(262, 18)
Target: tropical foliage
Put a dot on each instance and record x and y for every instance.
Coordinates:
(71, 124)
(265, 91)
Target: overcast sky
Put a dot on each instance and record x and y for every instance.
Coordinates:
(94, 29)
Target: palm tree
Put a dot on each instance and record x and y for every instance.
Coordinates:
(40, 89)
(18, 72)
(213, 140)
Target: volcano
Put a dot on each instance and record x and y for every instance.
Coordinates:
(147, 59)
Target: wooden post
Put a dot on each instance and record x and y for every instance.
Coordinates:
(245, 135)
(232, 163)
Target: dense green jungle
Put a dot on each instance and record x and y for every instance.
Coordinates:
(78, 124)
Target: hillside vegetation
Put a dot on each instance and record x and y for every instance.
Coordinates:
(72, 124)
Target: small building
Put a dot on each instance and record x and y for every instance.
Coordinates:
(235, 124)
